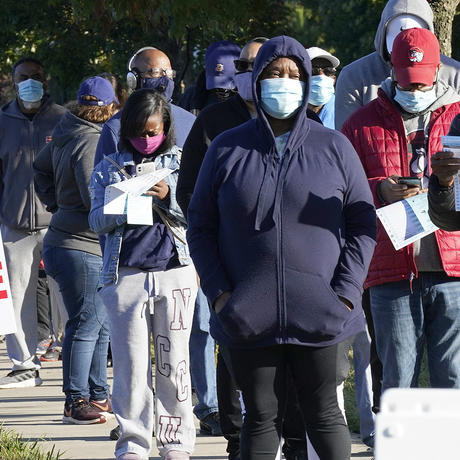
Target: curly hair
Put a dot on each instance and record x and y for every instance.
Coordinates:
(92, 113)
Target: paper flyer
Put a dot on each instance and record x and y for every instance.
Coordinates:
(407, 220)
(116, 196)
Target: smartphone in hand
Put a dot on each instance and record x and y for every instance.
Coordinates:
(410, 181)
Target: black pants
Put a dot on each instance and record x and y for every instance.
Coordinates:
(262, 374)
(293, 430)
(43, 307)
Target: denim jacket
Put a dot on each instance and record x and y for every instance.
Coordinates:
(112, 226)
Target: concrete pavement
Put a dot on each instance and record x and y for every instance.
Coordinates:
(36, 413)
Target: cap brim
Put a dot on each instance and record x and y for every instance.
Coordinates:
(221, 81)
(332, 59)
(406, 76)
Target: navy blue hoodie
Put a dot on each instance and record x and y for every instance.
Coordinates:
(287, 236)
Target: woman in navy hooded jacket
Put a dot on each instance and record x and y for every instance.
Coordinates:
(281, 230)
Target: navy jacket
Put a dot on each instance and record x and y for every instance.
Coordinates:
(287, 236)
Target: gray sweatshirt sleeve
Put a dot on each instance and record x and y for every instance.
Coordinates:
(348, 97)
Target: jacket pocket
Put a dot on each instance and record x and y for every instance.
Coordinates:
(314, 313)
(249, 315)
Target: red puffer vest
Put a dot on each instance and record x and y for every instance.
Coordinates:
(378, 135)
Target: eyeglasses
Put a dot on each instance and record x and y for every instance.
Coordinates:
(414, 86)
(328, 71)
(157, 73)
(243, 66)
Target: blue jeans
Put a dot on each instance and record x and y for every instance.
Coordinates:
(406, 319)
(363, 383)
(86, 338)
(202, 360)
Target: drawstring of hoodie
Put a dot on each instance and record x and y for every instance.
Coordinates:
(270, 170)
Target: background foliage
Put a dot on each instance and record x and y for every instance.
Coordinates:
(79, 38)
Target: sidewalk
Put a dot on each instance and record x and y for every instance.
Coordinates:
(36, 413)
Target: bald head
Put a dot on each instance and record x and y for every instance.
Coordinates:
(151, 59)
(250, 50)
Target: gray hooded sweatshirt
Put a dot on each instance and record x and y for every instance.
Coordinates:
(359, 81)
(20, 140)
(62, 174)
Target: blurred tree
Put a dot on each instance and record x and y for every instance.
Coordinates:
(79, 38)
(444, 14)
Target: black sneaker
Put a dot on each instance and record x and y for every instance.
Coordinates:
(81, 412)
(115, 433)
(21, 379)
(210, 425)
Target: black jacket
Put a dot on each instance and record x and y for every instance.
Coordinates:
(212, 121)
(441, 200)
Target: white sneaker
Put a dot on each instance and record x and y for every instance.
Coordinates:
(21, 379)
(177, 455)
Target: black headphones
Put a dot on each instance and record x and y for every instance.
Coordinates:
(133, 77)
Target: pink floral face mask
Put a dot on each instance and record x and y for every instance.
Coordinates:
(147, 145)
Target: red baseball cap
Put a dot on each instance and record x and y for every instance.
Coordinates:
(415, 57)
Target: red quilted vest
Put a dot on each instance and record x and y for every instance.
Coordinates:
(378, 135)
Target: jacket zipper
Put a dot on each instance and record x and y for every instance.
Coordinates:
(281, 171)
(31, 186)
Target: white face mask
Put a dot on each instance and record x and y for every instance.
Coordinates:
(415, 101)
(281, 97)
(321, 90)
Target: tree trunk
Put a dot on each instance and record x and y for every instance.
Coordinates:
(444, 12)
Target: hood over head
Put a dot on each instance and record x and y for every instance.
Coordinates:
(394, 8)
(277, 47)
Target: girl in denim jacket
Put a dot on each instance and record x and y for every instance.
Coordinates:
(149, 288)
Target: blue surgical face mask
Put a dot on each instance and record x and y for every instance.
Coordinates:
(321, 90)
(243, 82)
(281, 97)
(30, 90)
(415, 101)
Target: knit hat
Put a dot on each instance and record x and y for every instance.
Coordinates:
(415, 57)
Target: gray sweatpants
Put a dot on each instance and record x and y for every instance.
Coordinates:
(22, 255)
(142, 303)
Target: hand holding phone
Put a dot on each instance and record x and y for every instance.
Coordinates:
(410, 181)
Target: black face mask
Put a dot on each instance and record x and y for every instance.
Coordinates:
(222, 94)
(163, 85)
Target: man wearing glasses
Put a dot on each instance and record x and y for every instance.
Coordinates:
(414, 292)
(322, 98)
(147, 68)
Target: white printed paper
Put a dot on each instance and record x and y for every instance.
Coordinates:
(116, 194)
(452, 143)
(407, 220)
(139, 210)
(457, 192)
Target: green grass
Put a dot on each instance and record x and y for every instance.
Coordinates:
(14, 447)
(350, 397)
